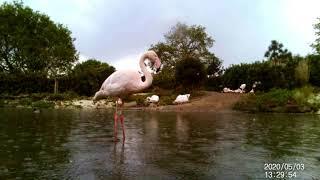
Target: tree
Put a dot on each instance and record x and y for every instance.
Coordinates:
(316, 44)
(214, 67)
(190, 72)
(31, 43)
(185, 41)
(314, 66)
(88, 76)
(277, 54)
(302, 72)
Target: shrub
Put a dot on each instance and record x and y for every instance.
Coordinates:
(165, 79)
(270, 76)
(25, 101)
(275, 97)
(61, 96)
(302, 72)
(314, 101)
(190, 72)
(167, 100)
(43, 104)
(314, 69)
(301, 95)
(38, 96)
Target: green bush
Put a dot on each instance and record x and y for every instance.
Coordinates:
(165, 79)
(275, 97)
(167, 100)
(25, 101)
(61, 96)
(282, 100)
(190, 72)
(302, 72)
(2, 103)
(38, 96)
(43, 104)
(314, 101)
(141, 100)
(269, 75)
(301, 95)
(314, 69)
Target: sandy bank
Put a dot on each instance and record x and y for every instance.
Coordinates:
(210, 101)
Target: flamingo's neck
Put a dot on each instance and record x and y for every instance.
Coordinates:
(147, 74)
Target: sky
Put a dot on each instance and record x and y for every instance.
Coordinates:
(118, 31)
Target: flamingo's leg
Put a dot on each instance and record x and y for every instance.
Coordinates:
(121, 121)
(115, 124)
(122, 125)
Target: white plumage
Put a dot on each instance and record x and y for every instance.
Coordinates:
(182, 99)
(243, 86)
(153, 99)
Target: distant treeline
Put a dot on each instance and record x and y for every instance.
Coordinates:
(85, 79)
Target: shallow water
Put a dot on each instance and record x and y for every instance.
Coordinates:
(78, 144)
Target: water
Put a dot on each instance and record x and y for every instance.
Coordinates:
(78, 144)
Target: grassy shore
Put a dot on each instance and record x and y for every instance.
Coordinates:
(301, 100)
(71, 100)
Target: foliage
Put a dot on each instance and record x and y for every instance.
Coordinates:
(276, 54)
(316, 44)
(314, 67)
(167, 100)
(61, 96)
(214, 83)
(301, 95)
(24, 83)
(214, 67)
(274, 100)
(43, 104)
(141, 100)
(32, 43)
(314, 101)
(88, 76)
(25, 101)
(182, 41)
(302, 72)
(165, 79)
(190, 72)
(303, 99)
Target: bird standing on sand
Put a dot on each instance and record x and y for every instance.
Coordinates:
(126, 82)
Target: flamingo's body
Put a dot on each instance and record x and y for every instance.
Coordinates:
(125, 82)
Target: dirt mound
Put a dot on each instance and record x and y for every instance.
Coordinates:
(210, 101)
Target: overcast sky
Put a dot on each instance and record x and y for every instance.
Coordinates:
(118, 31)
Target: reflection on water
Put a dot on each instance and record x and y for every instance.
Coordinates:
(78, 144)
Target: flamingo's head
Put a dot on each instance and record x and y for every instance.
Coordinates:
(155, 60)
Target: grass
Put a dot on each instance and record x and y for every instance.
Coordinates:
(305, 99)
(43, 104)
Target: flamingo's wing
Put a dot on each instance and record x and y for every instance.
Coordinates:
(121, 82)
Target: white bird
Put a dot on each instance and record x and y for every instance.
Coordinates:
(226, 90)
(243, 86)
(181, 99)
(238, 91)
(252, 91)
(153, 99)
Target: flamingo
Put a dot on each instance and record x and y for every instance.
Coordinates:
(126, 82)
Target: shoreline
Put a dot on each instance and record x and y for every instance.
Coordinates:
(208, 102)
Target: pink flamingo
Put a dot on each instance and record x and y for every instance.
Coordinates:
(125, 82)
